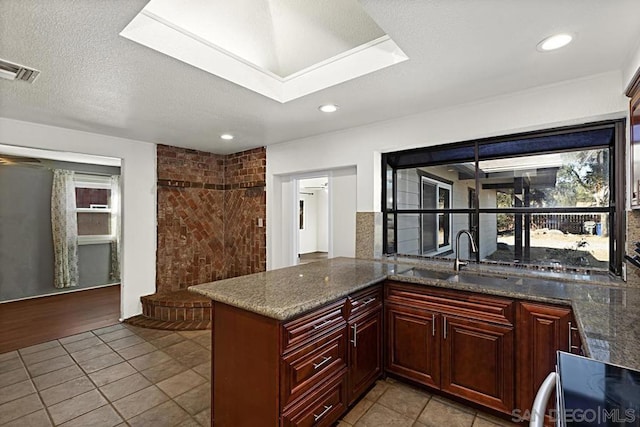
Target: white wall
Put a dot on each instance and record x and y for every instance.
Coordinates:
(139, 195)
(342, 208)
(582, 100)
(308, 236)
(322, 215)
(632, 65)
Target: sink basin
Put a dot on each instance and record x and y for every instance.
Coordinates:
(427, 274)
(469, 278)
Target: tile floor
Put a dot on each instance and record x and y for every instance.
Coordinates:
(123, 375)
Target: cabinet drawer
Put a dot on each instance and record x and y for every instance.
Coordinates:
(364, 301)
(312, 364)
(312, 325)
(453, 302)
(320, 409)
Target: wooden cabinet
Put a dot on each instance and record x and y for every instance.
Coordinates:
(413, 344)
(365, 341)
(477, 362)
(458, 342)
(543, 329)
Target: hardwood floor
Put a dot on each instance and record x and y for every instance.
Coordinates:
(33, 321)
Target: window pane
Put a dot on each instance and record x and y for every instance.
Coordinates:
(391, 237)
(389, 184)
(94, 223)
(553, 240)
(572, 179)
(96, 197)
(431, 234)
(432, 156)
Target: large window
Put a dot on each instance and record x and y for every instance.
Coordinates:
(552, 198)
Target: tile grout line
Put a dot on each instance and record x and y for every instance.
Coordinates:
(37, 392)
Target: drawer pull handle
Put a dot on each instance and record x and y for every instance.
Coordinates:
(354, 341)
(444, 328)
(325, 360)
(323, 324)
(369, 301)
(570, 343)
(323, 413)
(433, 325)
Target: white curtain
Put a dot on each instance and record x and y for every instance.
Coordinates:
(114, 275)
(65, 229)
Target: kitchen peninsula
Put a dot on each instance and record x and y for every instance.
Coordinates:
(297, 346)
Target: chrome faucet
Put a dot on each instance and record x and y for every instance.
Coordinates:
(457, 263)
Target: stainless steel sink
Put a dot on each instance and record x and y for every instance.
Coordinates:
(427, 274)
(469, 278)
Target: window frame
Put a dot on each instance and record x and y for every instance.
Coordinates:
(98, 182)
(439, 183)
(414, 158)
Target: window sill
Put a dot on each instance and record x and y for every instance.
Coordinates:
(94, 240)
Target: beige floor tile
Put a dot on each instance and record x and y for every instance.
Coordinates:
(116, 335)
(14, 376)
(196, 400)
(204, 417)
(194, 334)
(10, 365)
(379, 415)
(60, 376)
(137, 350)
(8, 356)
(39, 347)
(84, 344)
(140, 402)
(357, 411)
(377, 390)
(438, 414)
(163, 371)
(167, 414)
(33, 358)
(50, 365)
(190, 422)
(91, 352)
(66, 390)
(168, 340)
(407, 401)
(112, 373)
(152, 334)
(124, 387)
(204, 370)
(343, 423)
(74, 338)
(16, 391)
(101, 362)
(149, 360)
(19, 408)
(203, 340)
(180, 383)
(486, 420)
(108, 329)
(76, 406)
(181, 348)
(36, 419)
(104, 416)
(126, 342)
(195, 358)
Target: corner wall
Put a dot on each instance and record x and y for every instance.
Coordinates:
(208, 210)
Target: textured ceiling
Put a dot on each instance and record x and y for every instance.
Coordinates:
(461, 51)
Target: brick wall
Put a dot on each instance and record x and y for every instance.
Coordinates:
(208, 210)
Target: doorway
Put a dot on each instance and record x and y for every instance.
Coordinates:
(312, 225)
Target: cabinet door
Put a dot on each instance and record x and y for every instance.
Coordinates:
(413, 340)
(365, 353)
(542, 330)
(477, 362)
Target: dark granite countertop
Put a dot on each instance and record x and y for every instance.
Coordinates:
(607, 312)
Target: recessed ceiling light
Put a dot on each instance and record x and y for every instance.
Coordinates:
(328, 108)
(554, 42)
(226, 136)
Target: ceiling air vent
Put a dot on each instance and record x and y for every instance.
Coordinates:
(11, 71)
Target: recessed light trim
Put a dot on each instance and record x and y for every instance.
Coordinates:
(554, 42)
(226, 136)
(328, 108)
